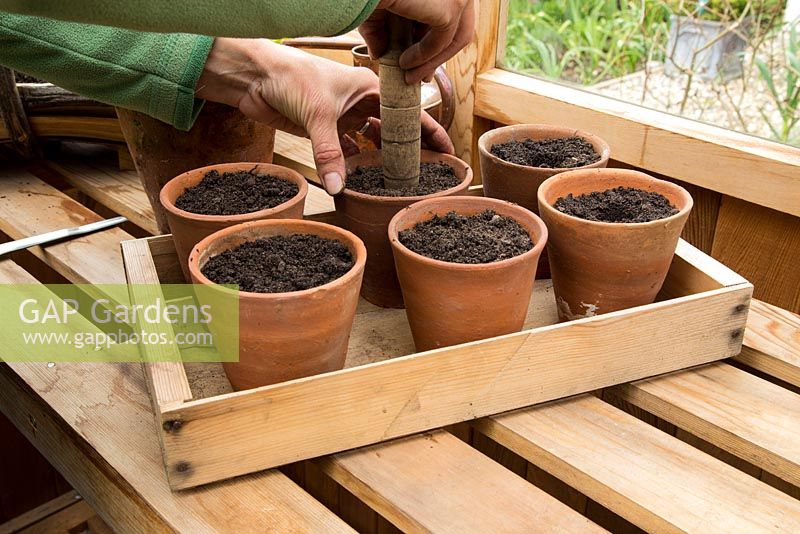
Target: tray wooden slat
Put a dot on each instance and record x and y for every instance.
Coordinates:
(643, 474)
(738, 412)
(164, 371)
(437, 483)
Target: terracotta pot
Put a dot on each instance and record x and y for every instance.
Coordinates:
(600, 267)
(189, 228)
(368, 217)
(519, 183)
(452, 303)
(283, 336)
(221, 134)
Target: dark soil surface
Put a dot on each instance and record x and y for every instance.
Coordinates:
(433, 177)
(235, 193)
(281, 264)
(619, 205)
(563, 153)
(483, 238)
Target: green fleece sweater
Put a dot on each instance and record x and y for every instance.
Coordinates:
(154, 73)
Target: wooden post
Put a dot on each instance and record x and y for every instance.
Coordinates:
(400, 111)
(13, 115)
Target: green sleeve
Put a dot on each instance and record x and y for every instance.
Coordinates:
(221, 18)
(154, 73)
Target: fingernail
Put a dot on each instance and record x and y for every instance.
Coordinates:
(333, 183)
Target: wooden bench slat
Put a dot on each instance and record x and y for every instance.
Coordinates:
(41, 512)
(732, 409)
(65, 521)
(644, 475)
(772, 342)
(95, 424)
(120, 191)
(28, 206)
(435, 482)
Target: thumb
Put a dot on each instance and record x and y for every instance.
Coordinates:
(328, 154)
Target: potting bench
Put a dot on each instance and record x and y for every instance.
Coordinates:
(711, 448)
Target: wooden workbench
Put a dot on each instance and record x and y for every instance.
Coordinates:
(712, 448)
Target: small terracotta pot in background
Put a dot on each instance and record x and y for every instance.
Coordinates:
(368, 217)
(283, 336)
(600, 267)
(221, 134)
(452, 303)
(519, 183)
(189, 228)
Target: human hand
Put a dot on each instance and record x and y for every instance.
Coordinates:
(444, 27)
(301, 94)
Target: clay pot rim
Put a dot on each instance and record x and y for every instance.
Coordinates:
(355, 245)
(444, 158)
(564, 131)
(361, 50)
(487, 203)
(265, 168)
(601, 224)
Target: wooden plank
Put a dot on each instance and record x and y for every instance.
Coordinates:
(437, 483)
(646, 476)
(772, 342)
(64, 521)
(763, 244)
(699, 272)
(40, 512)
(97, 128)
(756, 170)
(234, 433)
(28, 207)
(120, 191)
(740, 413)
(477, 57)
(702, 222)
(94, 423)
(165, 374)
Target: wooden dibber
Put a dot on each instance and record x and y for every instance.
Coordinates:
(400, 111)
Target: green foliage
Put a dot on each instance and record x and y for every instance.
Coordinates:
(585, 41)
(588, 41)
(788, 100)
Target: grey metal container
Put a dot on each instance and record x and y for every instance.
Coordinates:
(695, 45)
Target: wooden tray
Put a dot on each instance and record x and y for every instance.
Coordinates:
(210, 433)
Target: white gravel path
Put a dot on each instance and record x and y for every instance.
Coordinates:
(739, 104)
